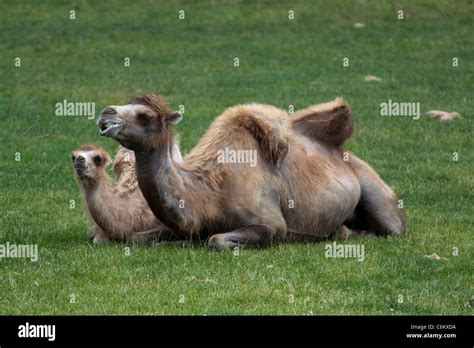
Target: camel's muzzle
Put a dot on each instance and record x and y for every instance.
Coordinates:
(110, 127)
(80, 168)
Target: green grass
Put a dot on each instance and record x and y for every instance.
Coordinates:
(282, 62)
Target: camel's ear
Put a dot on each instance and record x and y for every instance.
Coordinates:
(108, 160)
(174, 119)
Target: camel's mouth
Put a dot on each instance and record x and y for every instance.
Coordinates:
(111, 128)
(81, 170)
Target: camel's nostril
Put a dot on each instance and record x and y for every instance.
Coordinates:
(80, 159)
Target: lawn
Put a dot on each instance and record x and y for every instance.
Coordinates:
(282, 62)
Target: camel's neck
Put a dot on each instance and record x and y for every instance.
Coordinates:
(99, 195)
(161, 182)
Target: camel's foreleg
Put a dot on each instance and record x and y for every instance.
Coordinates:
(253, 235)
(97, 235)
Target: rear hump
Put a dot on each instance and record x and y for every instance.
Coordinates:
(330, 123)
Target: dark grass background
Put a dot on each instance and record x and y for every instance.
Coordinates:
(282, 62)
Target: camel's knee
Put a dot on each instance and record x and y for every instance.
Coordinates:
(93, 232)
(252, 235)
(97, 235)
(343, 233)
(217, 241)
(100, 239)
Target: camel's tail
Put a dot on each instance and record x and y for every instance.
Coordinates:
(330, 122)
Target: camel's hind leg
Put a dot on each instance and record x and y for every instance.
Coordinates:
(378, 210)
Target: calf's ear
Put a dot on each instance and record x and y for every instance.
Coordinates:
(174, 118)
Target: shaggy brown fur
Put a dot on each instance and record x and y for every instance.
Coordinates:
(301, 186)
(157, 104)
(119, 212)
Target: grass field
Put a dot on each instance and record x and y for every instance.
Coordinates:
(282, 62)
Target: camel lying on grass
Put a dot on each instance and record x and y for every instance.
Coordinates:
(303, 185)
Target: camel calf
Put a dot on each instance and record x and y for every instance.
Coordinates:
(119, 212)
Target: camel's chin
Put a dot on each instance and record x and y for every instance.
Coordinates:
(82, 174)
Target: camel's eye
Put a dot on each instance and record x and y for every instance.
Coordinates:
(98, 159)
(143, 116)
(73, 158)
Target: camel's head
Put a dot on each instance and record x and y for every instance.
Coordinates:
(89, 161)
(139, 125)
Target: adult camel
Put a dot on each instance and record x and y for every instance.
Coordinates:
(303, 185)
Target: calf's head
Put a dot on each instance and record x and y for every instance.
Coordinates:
(89, 161)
